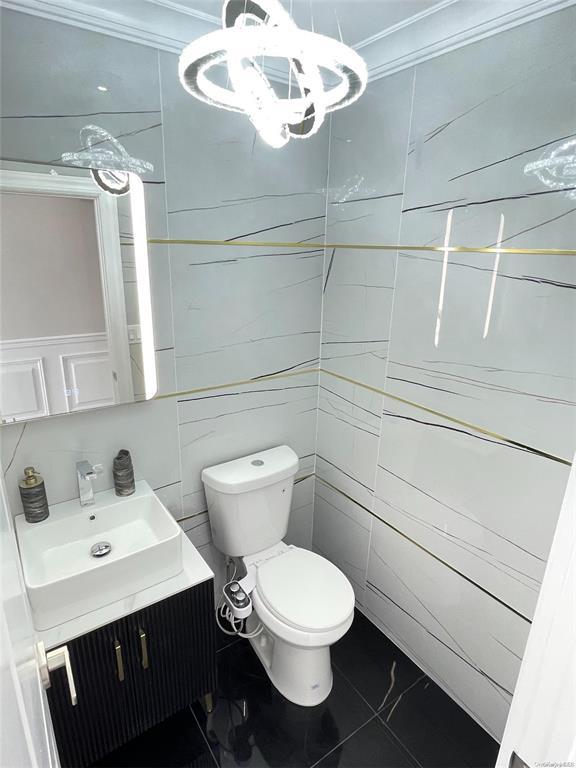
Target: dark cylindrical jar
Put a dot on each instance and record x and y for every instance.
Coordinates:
(123, 472)
(33, 495)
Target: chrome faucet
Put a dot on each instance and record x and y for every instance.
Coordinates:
(86, 472)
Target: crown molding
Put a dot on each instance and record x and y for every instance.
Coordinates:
(101, 20)
(445, 26)
(172, 5)
(401, 25)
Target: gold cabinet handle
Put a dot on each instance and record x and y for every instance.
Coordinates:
(143, 648)
(119, 660)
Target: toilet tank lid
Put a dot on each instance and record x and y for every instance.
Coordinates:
(252, 472)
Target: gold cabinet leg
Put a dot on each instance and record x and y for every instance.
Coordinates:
(209, 703)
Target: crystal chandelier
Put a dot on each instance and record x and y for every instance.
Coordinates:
(256, 29)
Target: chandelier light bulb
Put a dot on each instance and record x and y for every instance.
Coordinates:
(251, 31)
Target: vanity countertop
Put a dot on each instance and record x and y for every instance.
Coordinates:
(194, 571)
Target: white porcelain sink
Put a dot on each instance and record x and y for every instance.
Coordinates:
(64, 580)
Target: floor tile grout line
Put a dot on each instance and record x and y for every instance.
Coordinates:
(395, 736)
(340, 743)
(229, 645)
(357, 690)
(398, 741)
(216, 763)
(389, 729)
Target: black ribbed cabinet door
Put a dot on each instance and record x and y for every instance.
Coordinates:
(167, 656)
(105, 716)
(174, 645)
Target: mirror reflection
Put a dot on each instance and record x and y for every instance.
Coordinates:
(75, 309)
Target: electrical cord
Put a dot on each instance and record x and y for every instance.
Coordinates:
(223, 611)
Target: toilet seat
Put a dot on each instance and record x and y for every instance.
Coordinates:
(305, 591)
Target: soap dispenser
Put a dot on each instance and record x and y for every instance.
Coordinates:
(33, 495)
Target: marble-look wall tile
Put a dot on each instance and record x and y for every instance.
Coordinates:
(469, 643)
(342, 534)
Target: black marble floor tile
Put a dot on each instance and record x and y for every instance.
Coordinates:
(436, 731)
(222, 639)
(371, 747)
(373, 664)
(254, 725)
(175, 743)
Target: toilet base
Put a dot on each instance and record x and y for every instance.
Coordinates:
(302, 675)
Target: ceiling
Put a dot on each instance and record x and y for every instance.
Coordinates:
(390, 34)
(358, 19)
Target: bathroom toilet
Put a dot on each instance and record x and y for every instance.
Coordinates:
(303, 602)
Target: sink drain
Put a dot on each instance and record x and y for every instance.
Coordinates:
(101, 549)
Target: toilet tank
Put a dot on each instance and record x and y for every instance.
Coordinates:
(249, 500)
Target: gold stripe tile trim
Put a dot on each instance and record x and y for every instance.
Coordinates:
(453, 419)
(363, 246)
(239, 383)
(370, 388)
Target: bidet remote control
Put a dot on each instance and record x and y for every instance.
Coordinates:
(238, 600)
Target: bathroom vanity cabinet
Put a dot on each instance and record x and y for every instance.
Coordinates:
(133, 673)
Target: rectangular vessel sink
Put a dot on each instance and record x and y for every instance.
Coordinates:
(65, 580)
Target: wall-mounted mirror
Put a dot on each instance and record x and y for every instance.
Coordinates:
(75, 310)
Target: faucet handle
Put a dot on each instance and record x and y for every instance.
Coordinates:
(97, 469)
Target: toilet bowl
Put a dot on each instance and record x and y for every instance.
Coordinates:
(302, 603)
